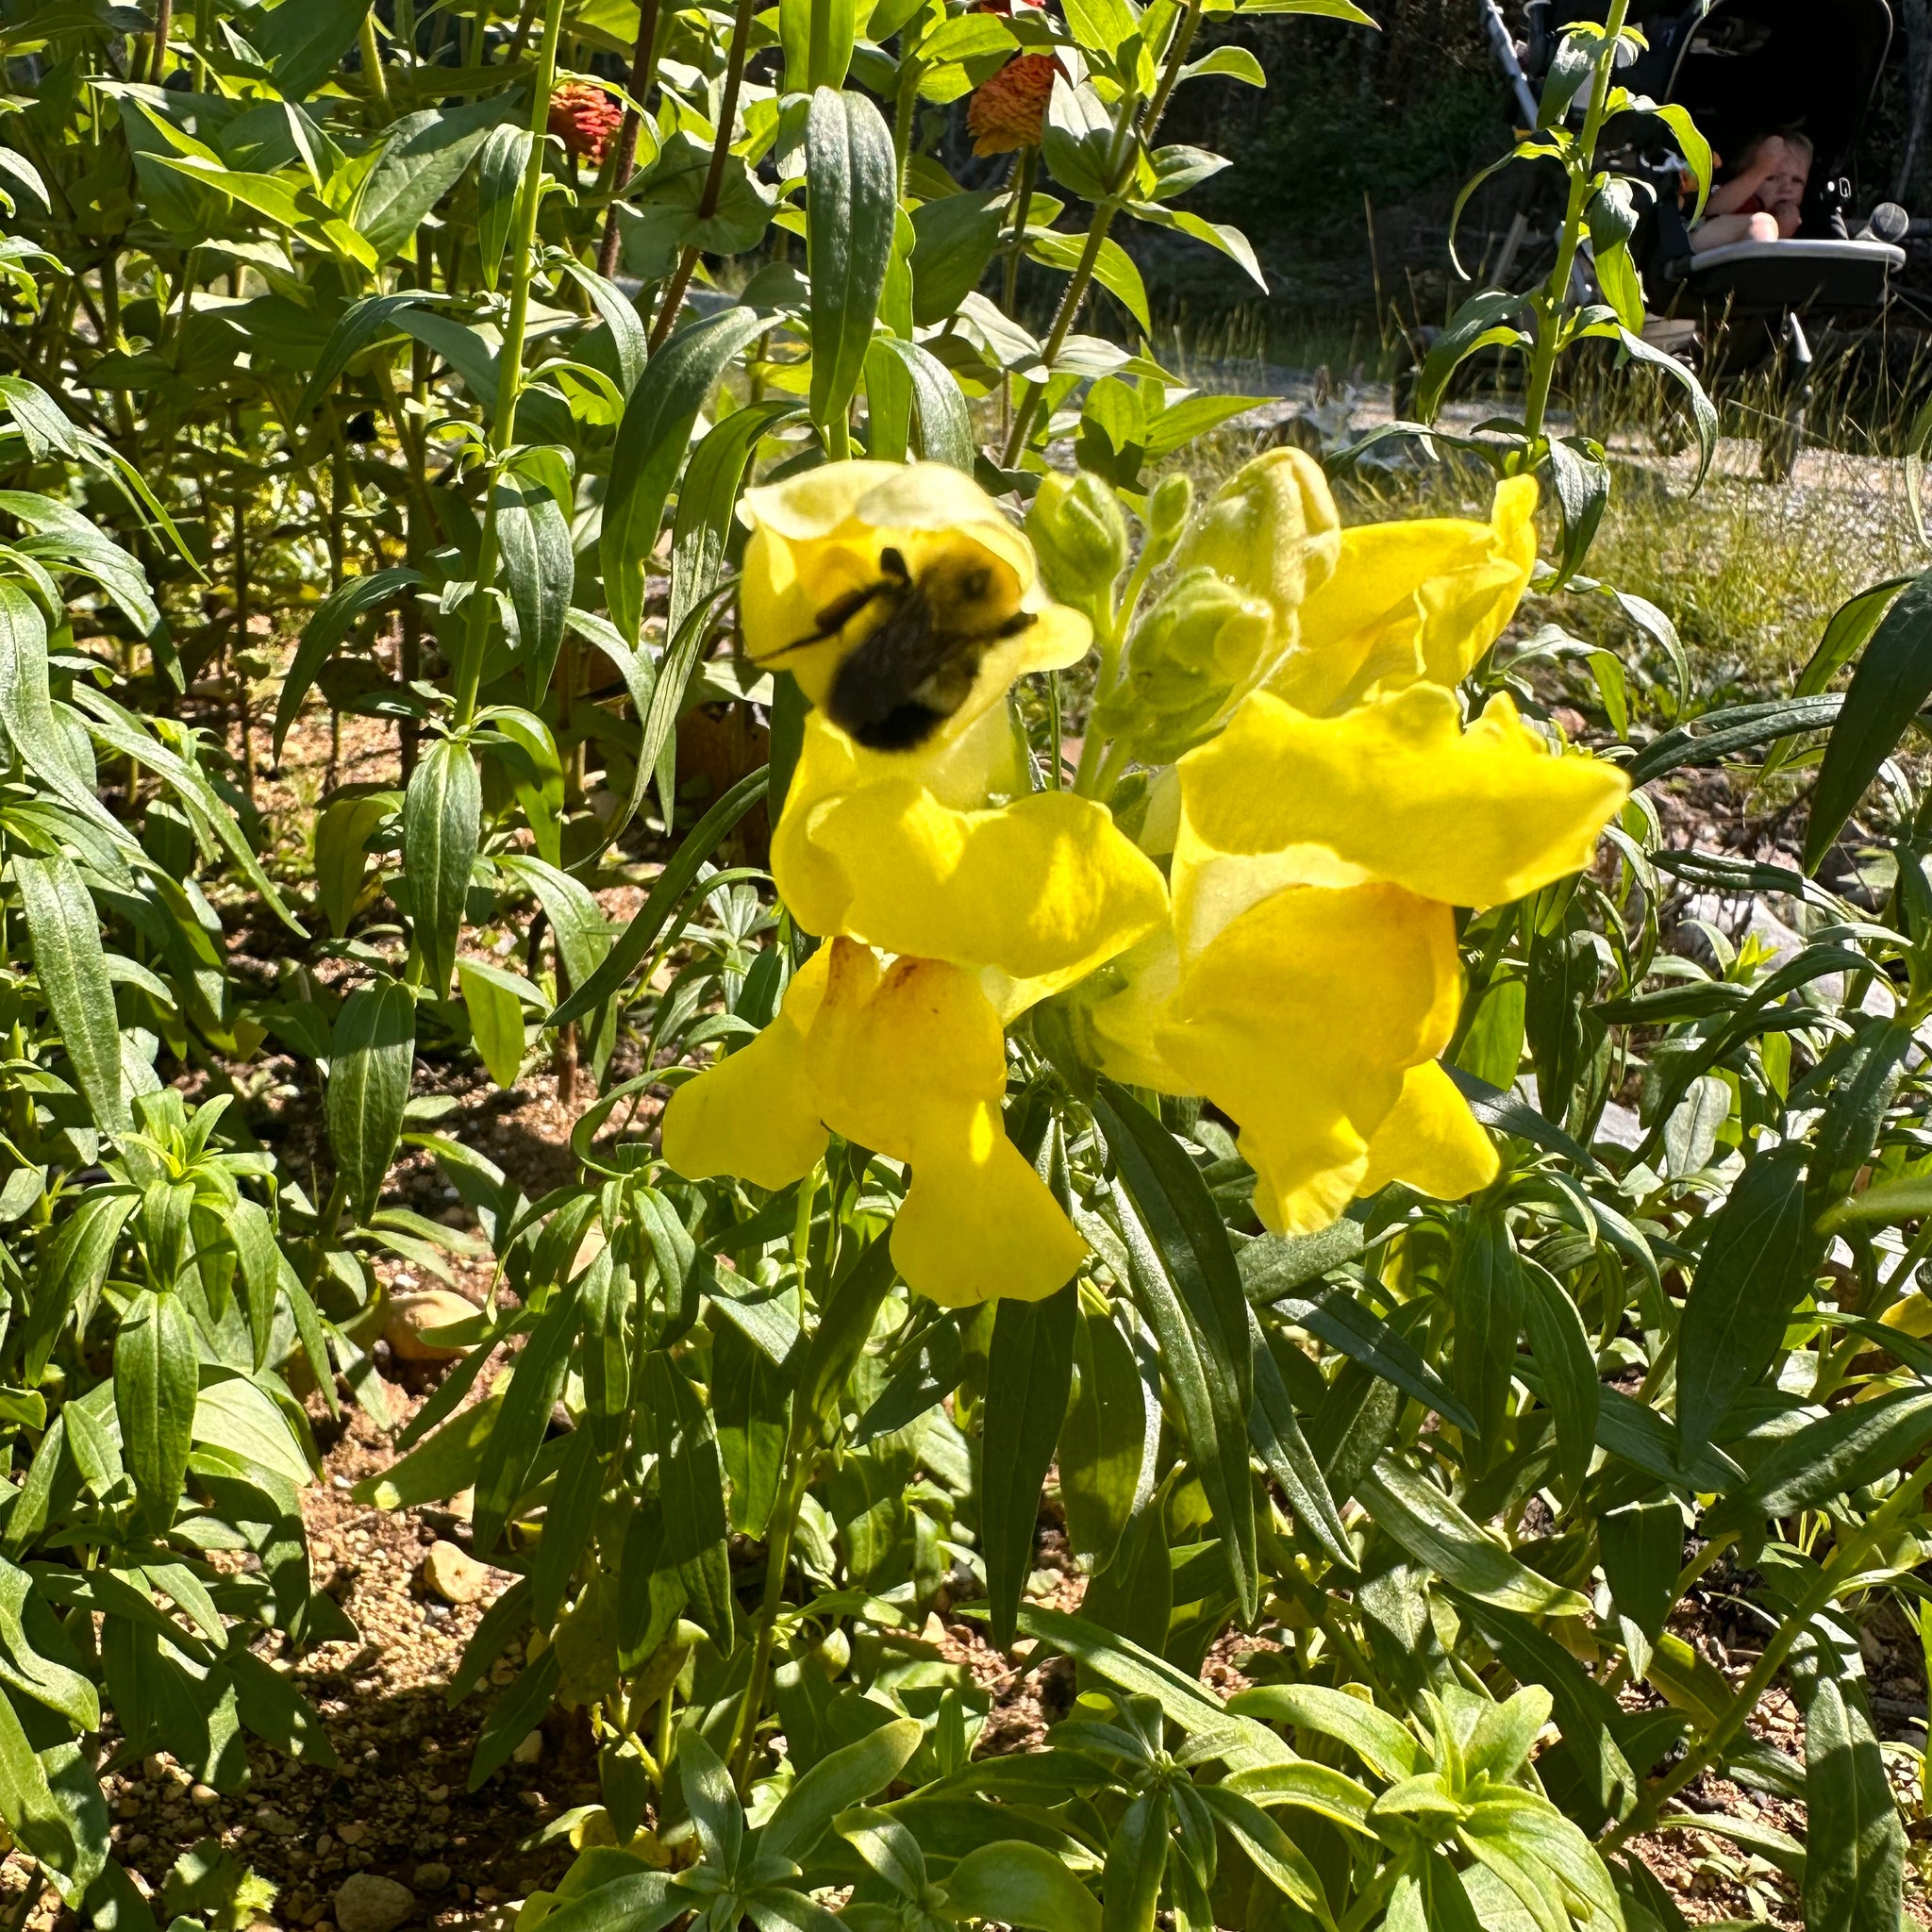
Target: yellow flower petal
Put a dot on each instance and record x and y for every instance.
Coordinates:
(1394, 790)
(1041, 890)
(818, 543)
(978, 1224)
(754, 1114)
(911, 1061)
(1117, 1030)
(1300, 1020)
(1431, 1140)
(1422, 598)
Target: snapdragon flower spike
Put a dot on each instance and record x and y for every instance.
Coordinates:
(1311, 977)
(954, 898)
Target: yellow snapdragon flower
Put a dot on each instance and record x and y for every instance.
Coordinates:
(1415, 600)
(940, 851)
(908, 1059)
(1311, 976)
(991, 895)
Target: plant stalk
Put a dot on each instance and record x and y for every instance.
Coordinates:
(511, 366)
(642, 60)
(714, 179)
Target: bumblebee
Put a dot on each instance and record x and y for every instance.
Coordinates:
(916, 666)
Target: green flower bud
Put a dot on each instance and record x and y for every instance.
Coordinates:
(1273, 530)
(1168, 509)
(1203, 646)
(1078, 534)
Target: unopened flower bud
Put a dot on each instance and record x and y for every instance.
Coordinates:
(1273, 530)
(1078, 534)
(1168, 508)
(1203, 646)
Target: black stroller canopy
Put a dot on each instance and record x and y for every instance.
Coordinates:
(1749, 66)
(1746, 67)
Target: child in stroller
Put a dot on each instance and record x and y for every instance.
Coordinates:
(1764, 200)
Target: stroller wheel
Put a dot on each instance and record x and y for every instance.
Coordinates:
(1777, 451)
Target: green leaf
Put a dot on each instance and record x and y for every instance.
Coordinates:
(1830, 1456)
(1029, 1372)
(1470, 325)
(442, 1464)
(506, 155)
(514, 1716)
(1485, 1288)
(1274, 1265)
(652, 438)
(27, 718)
(1643, 1550)
(72, 966)
(372, 1055)
(1186, 1284)
(1561, 1346)
(817, 37)
(667, 893)
(36, 1816)
(1437, 1534)
(341, 854)
(954, 240)
(423, 156)
(1702, 410)
(75, 1265)
(303, 42)
(511, 1449)
(852, 203)
(1135, 1864)
(541, 568)
(1021, 1884)
(1381, 1742)
(706, 500)
(1847, 634)
(154, 1374)
(1104, 1444)
(1756, 1262)
(691, 1475)
(1276, 1434)
(946, 425)
(1890, 685)
(1113, 269)
(1853, 1843)
(837, 1781)
(496, 999)
(331, 624)
(567, 1524)
(442, 818)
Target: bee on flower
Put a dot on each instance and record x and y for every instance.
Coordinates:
(1269, 929)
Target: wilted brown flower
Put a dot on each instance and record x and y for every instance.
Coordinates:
(585, 119)
(1007, 110)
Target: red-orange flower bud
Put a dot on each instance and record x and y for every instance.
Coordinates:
(1009, 109)
(585, 119)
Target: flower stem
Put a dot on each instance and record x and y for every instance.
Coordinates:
(714, 180)
(642, 60)
(1549, 304)
(510, 366)
(777, 1561)
(1126, 151)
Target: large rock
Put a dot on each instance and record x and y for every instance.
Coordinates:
(410, 1318)
(453, 1574)
(366, 1903)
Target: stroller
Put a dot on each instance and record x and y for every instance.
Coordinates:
(1742, 67)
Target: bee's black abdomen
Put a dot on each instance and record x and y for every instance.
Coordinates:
(904, 728)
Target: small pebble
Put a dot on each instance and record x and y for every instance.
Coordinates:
(432, 1876)
(367, 1902)
(530, 1750)
(203, 1794)
(324, 1845)
(352, 1834)
(453, 1575)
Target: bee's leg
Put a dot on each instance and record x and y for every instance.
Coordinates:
(836, 616)
(1020, 620)
(893, 562)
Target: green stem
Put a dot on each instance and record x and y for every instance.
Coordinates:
(511, 366)
(777, 1561)
(1128, 140)
(1843, 1564)
(1550, 303)
(371, 64)
(714, 179)
(644, 56)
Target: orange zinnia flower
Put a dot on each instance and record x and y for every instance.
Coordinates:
(1009, 109)
(585, 119)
